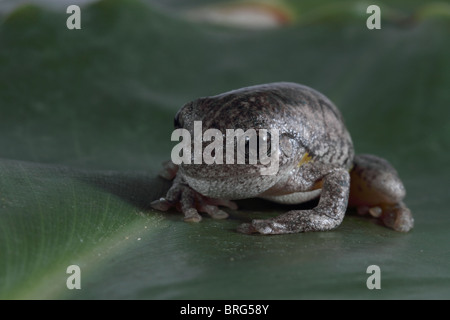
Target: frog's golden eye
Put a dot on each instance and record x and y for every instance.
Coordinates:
(305, 159)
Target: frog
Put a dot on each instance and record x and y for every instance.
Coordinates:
(316, 162)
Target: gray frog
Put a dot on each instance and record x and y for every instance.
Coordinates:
(316, 159)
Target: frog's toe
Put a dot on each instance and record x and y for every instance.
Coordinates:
(223, 203)
(218, 214)
(398, 217)
(262, 227)
(161, 204)
(373, 211)
(212, 210)
(191, 215)
(246, 228)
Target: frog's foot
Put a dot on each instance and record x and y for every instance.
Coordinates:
(190, 203)
(377, 190)
(397, 216)
(292, 222)
(328, 214)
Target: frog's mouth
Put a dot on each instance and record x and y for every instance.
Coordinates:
(223, 171)
(229, 184)
(231, 170)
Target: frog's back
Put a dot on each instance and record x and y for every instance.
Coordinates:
(318, 122)
(295, 109)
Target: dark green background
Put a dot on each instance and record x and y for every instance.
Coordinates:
(86, 117)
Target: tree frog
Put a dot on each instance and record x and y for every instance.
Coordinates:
(315, 155)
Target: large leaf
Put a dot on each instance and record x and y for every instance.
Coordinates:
(85, 122)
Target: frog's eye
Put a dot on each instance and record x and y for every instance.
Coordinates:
(286, 145)
(177, 121)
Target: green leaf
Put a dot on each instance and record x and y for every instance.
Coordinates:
(85, 122)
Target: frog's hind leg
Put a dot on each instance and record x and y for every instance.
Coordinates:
(376, 189)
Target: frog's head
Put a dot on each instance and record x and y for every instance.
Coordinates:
(232, 149)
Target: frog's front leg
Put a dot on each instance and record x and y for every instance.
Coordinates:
(187, 200)
(377, 190)
(327, 215)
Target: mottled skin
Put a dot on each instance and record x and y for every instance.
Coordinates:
(316, 158)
